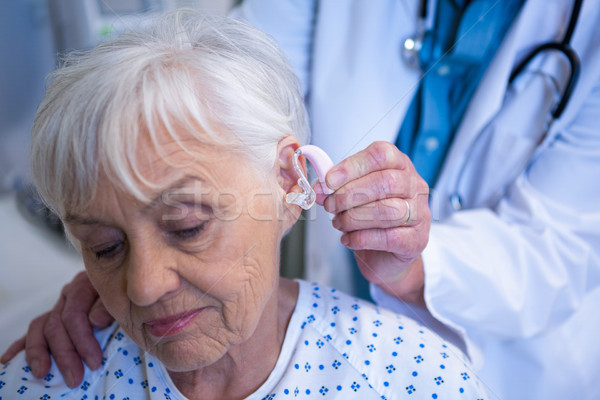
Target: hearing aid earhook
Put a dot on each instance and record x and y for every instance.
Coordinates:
(321, 164)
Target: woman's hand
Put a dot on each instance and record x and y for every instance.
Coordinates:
(381, 206)
(66, 333)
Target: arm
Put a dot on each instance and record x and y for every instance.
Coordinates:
(520, 268)
(524, 267)
(534, 256)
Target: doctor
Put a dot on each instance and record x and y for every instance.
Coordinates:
(514, 268)
(512, 261)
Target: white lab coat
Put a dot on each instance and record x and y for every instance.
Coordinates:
(515, 273)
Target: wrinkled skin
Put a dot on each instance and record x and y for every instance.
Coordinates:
(369, 203)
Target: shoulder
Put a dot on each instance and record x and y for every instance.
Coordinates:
(390, 352)
(16, 376)
(124, 370)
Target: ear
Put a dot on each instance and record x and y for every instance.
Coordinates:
(287, 177)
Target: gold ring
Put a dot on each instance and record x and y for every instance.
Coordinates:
(407, 212)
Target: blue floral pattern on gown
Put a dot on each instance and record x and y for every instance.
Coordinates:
(336, 347)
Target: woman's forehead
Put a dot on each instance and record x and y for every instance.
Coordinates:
(179, 167)
(162, 152)
(187, 188)
(160, 163)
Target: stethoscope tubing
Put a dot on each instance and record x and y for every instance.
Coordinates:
(563, 47)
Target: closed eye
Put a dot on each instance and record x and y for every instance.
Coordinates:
(110, 251)
(188, 233)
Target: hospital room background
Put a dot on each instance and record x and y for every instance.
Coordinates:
(35, 261)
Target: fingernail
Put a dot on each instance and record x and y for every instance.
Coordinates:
(94, 363)
(345, 240)
(99, 318)
(69, 380)
(335, 179)
(35, 367)
(328, 205)
(336, 223)
(318, 188)
(94, 318)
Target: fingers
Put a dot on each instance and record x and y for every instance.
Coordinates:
(378, 156)
(406, 184)
(66, 333)
(366, 189)
(380, 171)
(404, 243)
(381, 205)
(36, 348)
(80, 297)
(13, 350)
(386, 213)
(67, 359)
(383, 199)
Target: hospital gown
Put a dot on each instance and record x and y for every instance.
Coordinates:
(335, 347)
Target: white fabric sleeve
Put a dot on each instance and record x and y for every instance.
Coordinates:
(525, 266)
(290, 23)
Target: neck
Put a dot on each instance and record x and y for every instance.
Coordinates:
(246, 366)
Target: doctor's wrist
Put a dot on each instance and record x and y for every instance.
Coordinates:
(409, 286)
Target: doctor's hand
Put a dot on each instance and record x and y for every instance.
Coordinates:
(381, 206)
(66, 333)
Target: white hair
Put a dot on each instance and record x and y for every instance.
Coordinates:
(216, 78)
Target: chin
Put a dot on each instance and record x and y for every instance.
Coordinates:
(187, 355)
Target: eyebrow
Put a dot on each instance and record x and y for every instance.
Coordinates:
(179, 184)
(79, 220)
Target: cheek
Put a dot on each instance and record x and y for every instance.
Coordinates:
(253, 277)
(262, 206)
(249, 292)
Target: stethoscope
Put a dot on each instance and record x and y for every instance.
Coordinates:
(412, 45)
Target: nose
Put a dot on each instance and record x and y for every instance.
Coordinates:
(151, 273)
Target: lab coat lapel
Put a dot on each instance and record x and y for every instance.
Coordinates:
(489, 97)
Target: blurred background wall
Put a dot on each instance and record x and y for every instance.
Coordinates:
(35, 261)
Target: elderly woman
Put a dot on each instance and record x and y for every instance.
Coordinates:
(168, 154)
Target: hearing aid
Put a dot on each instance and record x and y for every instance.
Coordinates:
(321, 163)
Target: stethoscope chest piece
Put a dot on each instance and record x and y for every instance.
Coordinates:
(410, 49)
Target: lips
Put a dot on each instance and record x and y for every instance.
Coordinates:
(172, 324)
